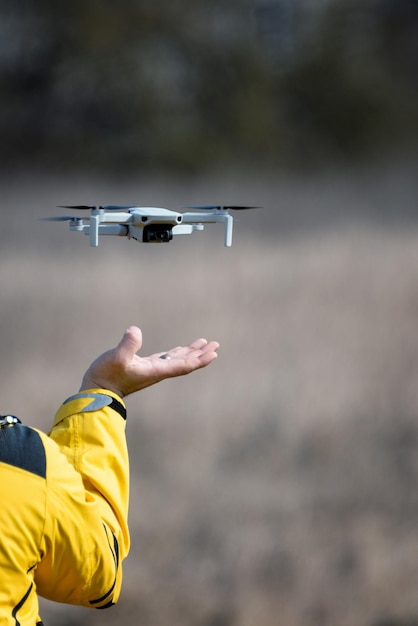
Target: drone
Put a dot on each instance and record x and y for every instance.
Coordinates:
(147, 224)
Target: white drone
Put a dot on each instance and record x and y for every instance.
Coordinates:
(147, 224)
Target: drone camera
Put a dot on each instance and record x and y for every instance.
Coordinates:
(157, 233)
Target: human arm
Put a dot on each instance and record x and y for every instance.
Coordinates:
(86, 533)
(88, 490)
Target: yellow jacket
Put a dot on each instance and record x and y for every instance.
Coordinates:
(64, 508)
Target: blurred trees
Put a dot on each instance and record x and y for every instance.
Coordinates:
(187, 84)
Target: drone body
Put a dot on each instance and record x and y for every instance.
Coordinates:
(147, 224)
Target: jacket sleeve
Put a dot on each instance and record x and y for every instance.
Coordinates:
(86, 533)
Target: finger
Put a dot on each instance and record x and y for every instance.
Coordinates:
(180, 351)
(212, 346)
(130, 343)
(200, 357)
(195, 362)
(206, 357)
(198, 344)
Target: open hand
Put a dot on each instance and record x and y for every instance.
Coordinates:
(123, 371)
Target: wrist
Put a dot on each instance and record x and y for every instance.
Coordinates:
(87, 384)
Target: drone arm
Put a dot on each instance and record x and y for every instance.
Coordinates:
(102, 223)
(120, 230)
(229, 222)
(94, 230)
(211, 218)
(186, 229)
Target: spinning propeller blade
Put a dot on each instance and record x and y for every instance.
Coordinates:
(219, 207)
(60, 218)
(82, 207)
(85, 207)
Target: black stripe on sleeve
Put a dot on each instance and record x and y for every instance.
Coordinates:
(114, 549)
(20, 604)
(118, 407)
(22, 447)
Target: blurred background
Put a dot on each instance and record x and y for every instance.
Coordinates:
(279, 486)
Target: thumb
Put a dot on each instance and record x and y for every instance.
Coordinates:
(130, 343)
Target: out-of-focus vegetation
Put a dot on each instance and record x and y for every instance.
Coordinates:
(184, 85)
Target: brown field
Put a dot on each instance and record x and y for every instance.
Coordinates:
(279, 486)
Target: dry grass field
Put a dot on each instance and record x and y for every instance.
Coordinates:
(279, 486)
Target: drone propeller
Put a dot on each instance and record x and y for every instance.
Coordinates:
(219, 207)
(82, 207)
(59, 218)
(85, 207)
